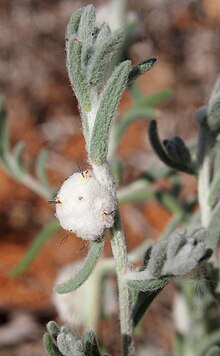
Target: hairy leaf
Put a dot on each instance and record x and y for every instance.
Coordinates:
(213, 113)
(85, 271)
(162, 154)
(67, 344)
(90, 345)
(148, 284)
(53, 329)
(104, 35)
(143, 301)
(74, 51)
(157, 258)
(177, 150)
(102, 57)
(108, 104)
(182, 257)
(213, 109)
(73, 24)
(214, 191)
(214, 228)
(50, 347)
(85, 33)
(141, 68)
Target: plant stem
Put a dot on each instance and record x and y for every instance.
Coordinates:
(26, 179)
(121, 262)
(120, 7)
(35, 186)
(203, 191)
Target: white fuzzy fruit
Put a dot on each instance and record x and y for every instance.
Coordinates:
(84, 206)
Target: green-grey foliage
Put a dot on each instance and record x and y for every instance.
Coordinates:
(177, 150)
(148, 284)
(80, 87)
(40, 168)
(85, 32)
(102, 35)
(102, 56)
(179, 159)
(84, 271)
(143, 301)
(214, 228)
(209, 340)
(17, 153)
(178, 255)
(63, 341)
(141, 68)
(151, 100)
(214, 192)
(73, 24)
(53, 329)
(108, 103)
(68, 344)
(12, 160)
(50, 347)
(213, 108)
(78, 39)
(99, 85)
(90, 344)
(184, 253)
(213, 351)
(175, 256)
(157, 258)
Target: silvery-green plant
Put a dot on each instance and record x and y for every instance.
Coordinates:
(87, 202)
(93, 203)
(143, 107)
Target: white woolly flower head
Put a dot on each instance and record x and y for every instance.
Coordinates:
(84, 206)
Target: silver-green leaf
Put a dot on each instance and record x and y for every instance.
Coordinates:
(108, 104)
(85, 270)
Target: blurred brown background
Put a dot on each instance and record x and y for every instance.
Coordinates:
(184, 36)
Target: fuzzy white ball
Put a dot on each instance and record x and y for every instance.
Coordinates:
(84, 206)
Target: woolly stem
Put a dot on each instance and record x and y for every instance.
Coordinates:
(203, 191)
(120, 7)
(119, 250)
(125, 306)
